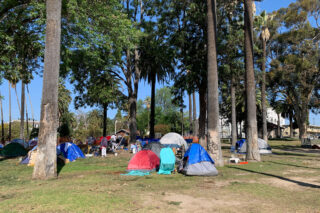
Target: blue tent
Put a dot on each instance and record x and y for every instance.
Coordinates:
(197, 161)
(70, 151)
(167, 161)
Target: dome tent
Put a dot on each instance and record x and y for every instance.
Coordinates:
(173, 138)
(70, 151)
(13, 150)
(264, 147)
(155, 147)
(144, 161)
(197, 161)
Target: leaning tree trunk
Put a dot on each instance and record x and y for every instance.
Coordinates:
(190, 114)
(195, 123)
(213, 137)
(105, 117)
(263, 93)
(233, 113)
(22, 110)
(153, 105)
(9, 135)
(46, 162)
(252, 132)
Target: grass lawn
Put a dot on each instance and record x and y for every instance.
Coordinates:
(286, 181)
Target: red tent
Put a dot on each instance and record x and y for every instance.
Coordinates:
(145, 160)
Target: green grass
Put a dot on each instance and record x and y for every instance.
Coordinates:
(287, 181)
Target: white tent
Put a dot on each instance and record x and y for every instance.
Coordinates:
(174, 138)
(264, 147)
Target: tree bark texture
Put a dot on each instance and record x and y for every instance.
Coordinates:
(263, 93)
(195, 123)
(182, 126)
(213, 137)
(251, 131)
(46, 161)
(153, 105)
(105, 118)
(190, 115)
(233, 113)
(27, 123)
(278, 129)
(9, 135)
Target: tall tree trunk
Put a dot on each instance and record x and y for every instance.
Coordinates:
(153, 105)
(182, 119)
(105, 118)
(213, 137)
(22, 110)
(278, 129)
(195, 123)
(203, 116)
(18, 102)
(263, 92)
(291, 125)
(2, 123)
(27, 122)
(190, 114)
(9, 136)
(46, 162)
(233, 113)
(252, 132)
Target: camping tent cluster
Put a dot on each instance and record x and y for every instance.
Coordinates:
(160, 157)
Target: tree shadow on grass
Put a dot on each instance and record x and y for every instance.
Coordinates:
(279, 177)
(289, 154)
(60, 165)
(288, 164)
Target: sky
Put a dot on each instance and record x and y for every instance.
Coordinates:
(35, 88)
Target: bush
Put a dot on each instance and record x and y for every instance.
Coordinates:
(162, 128)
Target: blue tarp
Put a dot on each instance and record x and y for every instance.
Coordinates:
(167, 161)
(197, 154)
(70, 151)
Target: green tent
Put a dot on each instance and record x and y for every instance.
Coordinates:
(167, 161)
(13, 150)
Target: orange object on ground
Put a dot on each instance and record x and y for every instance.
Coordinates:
(244, 162)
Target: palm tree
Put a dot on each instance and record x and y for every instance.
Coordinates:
(252, 131)
(213, 137)
(9, 134)
(2, 124)
(190, 113)
(195, 124)
(22, 110)
(46, 162)
(157, 64)
(264, 36)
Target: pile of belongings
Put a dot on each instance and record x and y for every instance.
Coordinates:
(197, 161)
(264, 148)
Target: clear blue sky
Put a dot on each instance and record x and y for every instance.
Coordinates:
(144, 89)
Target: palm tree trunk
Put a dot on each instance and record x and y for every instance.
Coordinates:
(291, 126)
(105, 117)
(252, 132)
(279, 130)
(182, 119)
(46, 161)
(153, 105)
(22, 110)
(195, 123)
(2, 123)
(27, 122)
(190, 115)
(203, 116)
(213, 137)
(233, 113)
(263, 93)
(9, 136)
